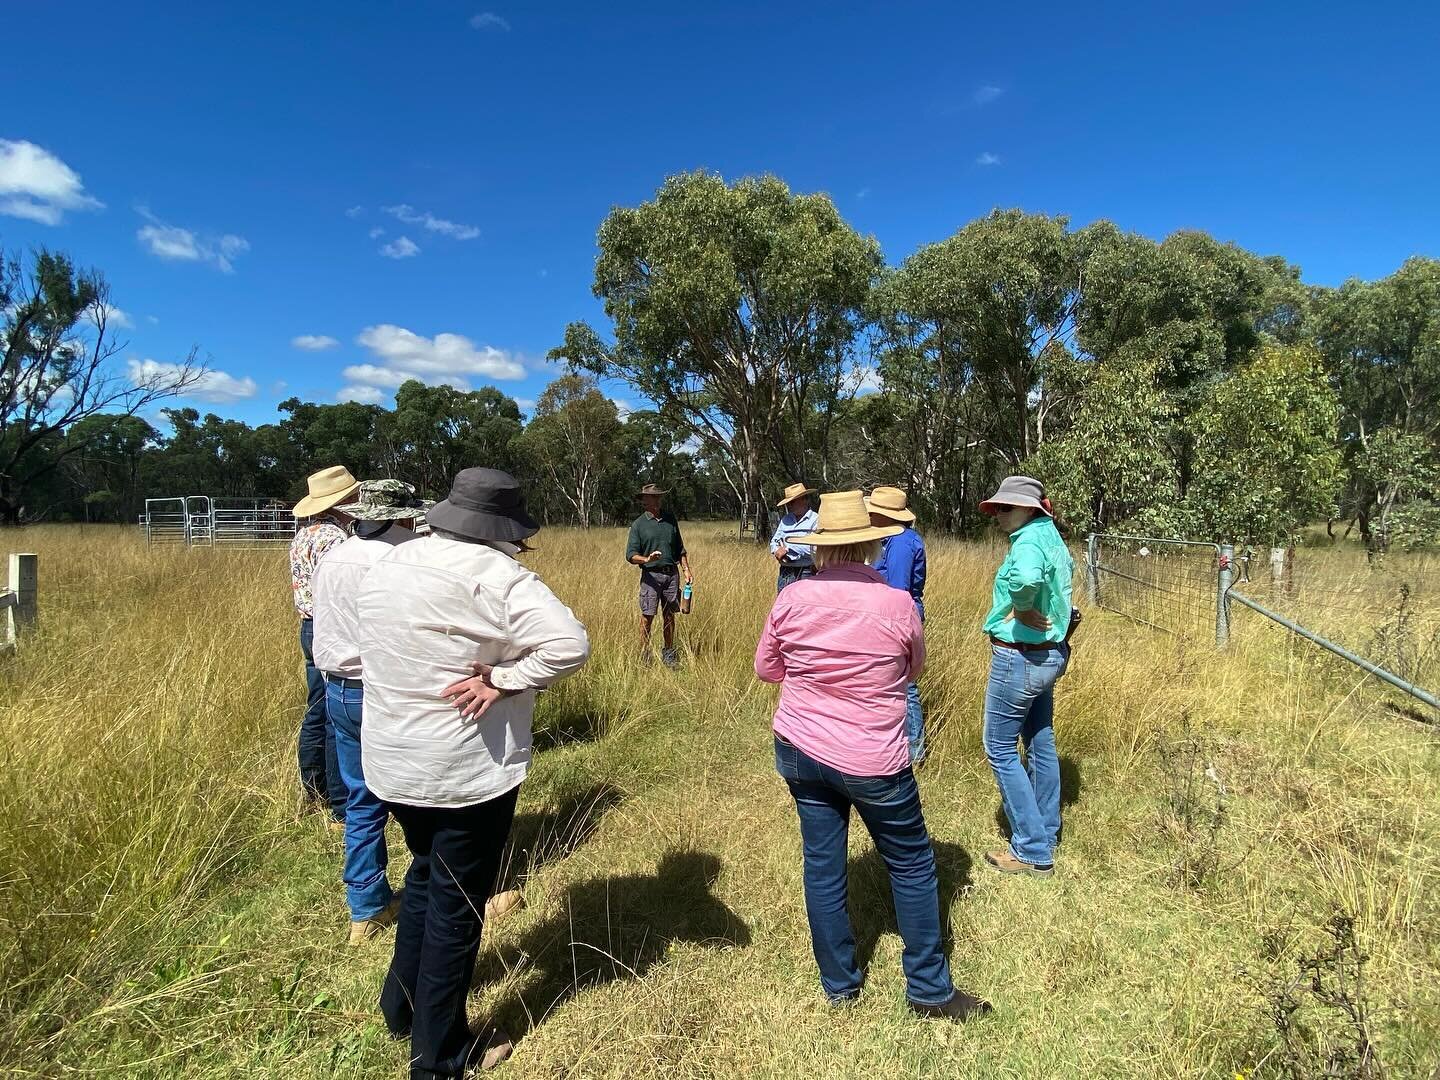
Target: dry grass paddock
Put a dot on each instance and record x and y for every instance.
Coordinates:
(166, 911)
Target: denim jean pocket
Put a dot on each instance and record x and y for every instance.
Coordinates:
(786, 762)
(873, 789)
(1042, 669)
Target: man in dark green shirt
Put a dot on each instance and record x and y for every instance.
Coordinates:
(656, 547)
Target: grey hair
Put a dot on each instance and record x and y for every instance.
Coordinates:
(865, 551)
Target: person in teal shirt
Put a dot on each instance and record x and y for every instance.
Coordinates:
(1028, 626)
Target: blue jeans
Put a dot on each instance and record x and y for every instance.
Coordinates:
(319, 767)
(366, 889)
(790, 574)
(890, 808)
(1020, 705)
(914, 723)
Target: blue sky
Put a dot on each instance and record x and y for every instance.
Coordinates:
(421, 182)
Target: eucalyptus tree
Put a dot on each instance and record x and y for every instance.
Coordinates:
(734, 308)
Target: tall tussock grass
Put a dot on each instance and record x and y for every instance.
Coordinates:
(166, 910)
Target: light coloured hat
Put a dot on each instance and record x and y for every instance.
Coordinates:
(1018, 491)
(326, 488)
(652, 489)
(793, 492)
(844, 520)
(386, 500)
(889, 502)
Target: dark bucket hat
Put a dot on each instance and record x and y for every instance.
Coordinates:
(484, 504)
(1018, 491)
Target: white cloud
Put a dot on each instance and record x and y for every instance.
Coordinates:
(866, 380)
(984, 95)
(623, 407)
(37, 186)
(987, 159)
(152, 320)
(376, 233)
(863, 193)
(115, 319)
(355, 211)
(365, 395)
(314, 342)
(402, 247)
(488, 20)
(410, 216)
(186, 245)
(691, 446)
(527, 405)
(217, 387)
(445, 360)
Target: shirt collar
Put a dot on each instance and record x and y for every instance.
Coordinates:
(1030, 525)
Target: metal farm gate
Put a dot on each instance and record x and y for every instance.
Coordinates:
(203, 521)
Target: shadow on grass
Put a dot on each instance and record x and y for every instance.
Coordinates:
(872, 906)
(553, 832)
(1071, 785)
(612, 928)
(567, 720)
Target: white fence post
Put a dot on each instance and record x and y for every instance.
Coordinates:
(21, 613)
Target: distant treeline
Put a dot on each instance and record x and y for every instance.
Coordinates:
(1185, 386)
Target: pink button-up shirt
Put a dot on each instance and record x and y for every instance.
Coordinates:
(845, 645)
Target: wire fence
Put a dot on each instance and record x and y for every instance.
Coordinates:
(1382, 616)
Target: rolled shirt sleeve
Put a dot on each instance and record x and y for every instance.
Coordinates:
(632, 545)
(1025, 575)
(554, 642)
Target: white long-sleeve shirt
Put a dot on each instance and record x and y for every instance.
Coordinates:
(334, 587)
(429, 611)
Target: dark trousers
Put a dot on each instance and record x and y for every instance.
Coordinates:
(319, 764)
(790, 574)
(456, 855)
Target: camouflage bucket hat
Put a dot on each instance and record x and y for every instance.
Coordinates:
(386, 500)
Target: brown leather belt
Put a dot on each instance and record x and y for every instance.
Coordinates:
(1025, 646)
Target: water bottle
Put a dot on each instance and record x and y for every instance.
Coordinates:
(685, 594)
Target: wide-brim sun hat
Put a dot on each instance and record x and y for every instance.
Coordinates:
(484, 504)
(386, 500)
(890, 502)
(652, 489)
(1018, 491)
(325, 489)
(793, 492)
(843, 519)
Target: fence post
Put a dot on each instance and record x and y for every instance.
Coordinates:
(1092, 569)
(21, 618)
(1222, 595)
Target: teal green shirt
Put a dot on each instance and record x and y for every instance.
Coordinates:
(1035, 574)
(660, 534)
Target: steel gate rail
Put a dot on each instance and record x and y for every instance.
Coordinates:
(203, 521)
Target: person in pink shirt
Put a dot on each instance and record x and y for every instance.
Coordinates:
(844, 646)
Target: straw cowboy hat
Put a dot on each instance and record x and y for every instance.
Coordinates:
(652, 489)
(484, 504)
(1018, 491)
(844, 520)
(793, 492)
(326, 488)
(386, 500)
(889, 502)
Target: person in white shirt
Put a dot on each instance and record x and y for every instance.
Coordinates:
(455, 608)
(383, 513)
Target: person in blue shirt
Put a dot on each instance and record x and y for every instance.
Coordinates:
(902, 565)
(796, 560)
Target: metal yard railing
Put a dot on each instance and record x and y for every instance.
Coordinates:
(1189, 586)
(203, 521)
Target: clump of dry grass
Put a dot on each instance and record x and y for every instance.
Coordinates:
(165, 912)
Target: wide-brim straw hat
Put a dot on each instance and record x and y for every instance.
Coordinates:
(484, 504)
(325, 489)
(890, 502)
(386, 500)
(1018, 491)
(845, 520)
(793, 492)
(652, 489)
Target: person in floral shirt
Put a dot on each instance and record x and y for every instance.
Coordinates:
(322, 527)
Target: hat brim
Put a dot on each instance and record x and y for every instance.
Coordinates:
(992, 506)
(835, 537)
(481, 524)
(312, 505)
(363, 512)
(661, 491)
(894, 515)
(783, 503)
